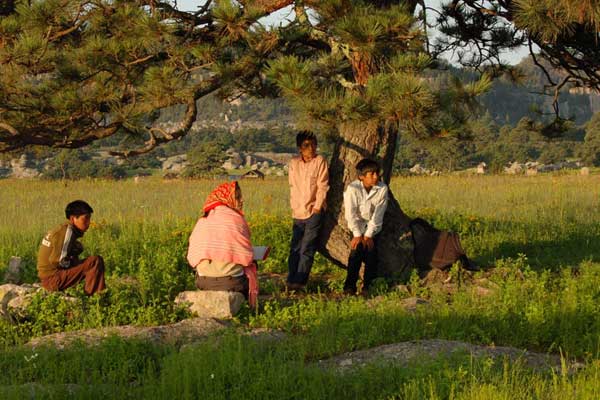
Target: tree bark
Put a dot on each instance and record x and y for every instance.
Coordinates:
(357, 140)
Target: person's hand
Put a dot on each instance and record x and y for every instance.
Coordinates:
(355, 242)
(368, 243)
(316, 211)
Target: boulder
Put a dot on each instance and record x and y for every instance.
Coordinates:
(13, 272)
(14, 298)
(417, 169)
(514, 169)
(229, 165)
(481, 168)
(175, 164)
(212, 304)
(585, 171)
(531, 171)
(412, 303)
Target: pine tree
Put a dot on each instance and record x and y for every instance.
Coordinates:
(75, 71)
(561, 35)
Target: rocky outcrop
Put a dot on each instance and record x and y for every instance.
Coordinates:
(267, 163)
(417, 169)
(21, 167)
(185, 331)
(174, 164)
(14, 299)
(405, 353)
(535, 167)
(514, 169)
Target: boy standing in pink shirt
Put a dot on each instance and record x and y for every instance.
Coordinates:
(309, 182)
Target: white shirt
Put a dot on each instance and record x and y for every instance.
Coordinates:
(364, 211)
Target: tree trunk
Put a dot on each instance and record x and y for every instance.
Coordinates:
(358, 140)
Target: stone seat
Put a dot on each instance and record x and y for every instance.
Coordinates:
(212, 304)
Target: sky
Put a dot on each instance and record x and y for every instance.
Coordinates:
(287, 14)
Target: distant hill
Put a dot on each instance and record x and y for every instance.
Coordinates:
(502, 130)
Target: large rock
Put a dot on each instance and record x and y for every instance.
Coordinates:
(417, 169)
(215, 304)
(585, 171)
(23, 168)
(229, 165)
(481, 168)
(531, 171)
(14, 299)
(515, 168)
(411, 304)
(13, 272)
(175, 164)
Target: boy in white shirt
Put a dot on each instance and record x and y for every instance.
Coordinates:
(365, 202)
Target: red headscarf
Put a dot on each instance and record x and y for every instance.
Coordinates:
(223, 195)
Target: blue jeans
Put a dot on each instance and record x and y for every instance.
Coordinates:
(357, 257)
(305, 233)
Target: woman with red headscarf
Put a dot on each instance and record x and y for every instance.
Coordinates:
(219, 247)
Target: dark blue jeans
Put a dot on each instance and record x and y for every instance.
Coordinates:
(357, 257)
(305, 233)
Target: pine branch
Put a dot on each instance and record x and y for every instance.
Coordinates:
(184, 126)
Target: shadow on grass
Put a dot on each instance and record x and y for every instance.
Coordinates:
(565, 248)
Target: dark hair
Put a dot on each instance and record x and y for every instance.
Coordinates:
(367, 165)
(77, 208)
(305, 135)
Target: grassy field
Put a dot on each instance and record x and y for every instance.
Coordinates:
(541, 233)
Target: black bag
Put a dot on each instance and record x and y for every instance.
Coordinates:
(437, 249)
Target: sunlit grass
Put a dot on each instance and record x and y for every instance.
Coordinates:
(542, 232)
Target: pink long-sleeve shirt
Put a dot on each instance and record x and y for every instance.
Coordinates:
(309, 183)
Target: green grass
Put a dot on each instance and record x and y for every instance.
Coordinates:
(540, 232)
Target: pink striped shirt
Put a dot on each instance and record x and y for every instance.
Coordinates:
(223, 236)
(309, 183)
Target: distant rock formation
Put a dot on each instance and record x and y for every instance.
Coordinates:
(534, 167)
(175, 164)
(266, 162)
(21, 167)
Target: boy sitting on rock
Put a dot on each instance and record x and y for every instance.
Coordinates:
(365, 202)
(58, 262)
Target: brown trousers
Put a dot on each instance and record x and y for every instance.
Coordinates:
(224, 284)
(91, 269)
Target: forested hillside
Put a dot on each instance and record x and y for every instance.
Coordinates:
(507, 127)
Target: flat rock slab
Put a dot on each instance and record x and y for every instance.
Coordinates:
(15, 298)
(212, 304)
(404, 353)
(186, 331)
